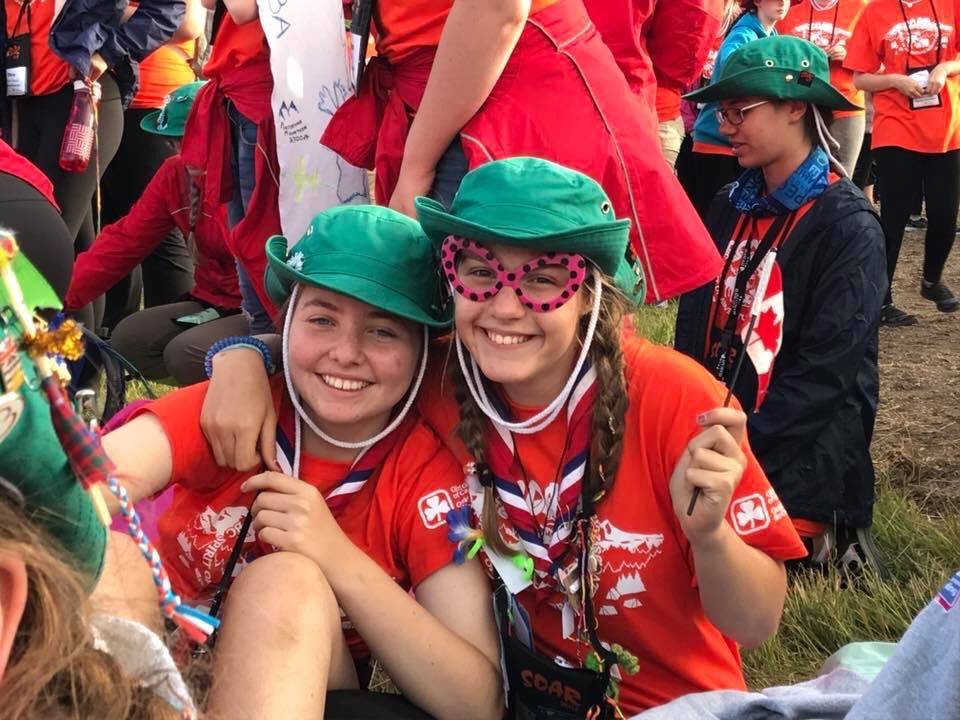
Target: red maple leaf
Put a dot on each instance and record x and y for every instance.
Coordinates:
(768, 329)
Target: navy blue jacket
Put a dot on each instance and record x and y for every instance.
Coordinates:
(812, 433)
(88, 26)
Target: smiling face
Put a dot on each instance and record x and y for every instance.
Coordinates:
(531, 354)
(350, 362)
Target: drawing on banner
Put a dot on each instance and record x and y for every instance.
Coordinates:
(312, 78)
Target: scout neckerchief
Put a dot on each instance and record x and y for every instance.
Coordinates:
(362, 468)
(547, 533)
(805, 183)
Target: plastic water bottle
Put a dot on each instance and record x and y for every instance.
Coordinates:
(78, 134)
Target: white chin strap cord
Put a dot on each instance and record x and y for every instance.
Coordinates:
(303, 416)
(474, 380)
(827, 141)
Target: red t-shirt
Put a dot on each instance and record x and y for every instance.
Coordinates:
(647, 599)
(48, 72)
(826, 28)
(234, 46)
(398, 518)
(405, 27)
(883, 40)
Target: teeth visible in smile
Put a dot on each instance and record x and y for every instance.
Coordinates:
(343, 383)
(499, 339)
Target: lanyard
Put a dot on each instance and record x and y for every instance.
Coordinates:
(25, 5)
(906, 23)
(774, 236)
(833, 26)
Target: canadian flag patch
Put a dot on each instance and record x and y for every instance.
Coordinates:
(750, 514)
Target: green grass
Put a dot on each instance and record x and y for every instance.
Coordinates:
(819, 618)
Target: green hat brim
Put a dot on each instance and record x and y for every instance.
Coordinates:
(767, 82)
(605, 243)
(280, 279)
(149, 124)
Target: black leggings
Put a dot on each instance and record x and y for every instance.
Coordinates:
(40, 123)
(166, 275)
(899, 173)
(39, 230)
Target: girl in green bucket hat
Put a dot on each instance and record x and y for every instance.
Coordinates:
(800, 294)
(582, 445)
(345, 521)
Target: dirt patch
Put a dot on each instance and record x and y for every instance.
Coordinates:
(917, 441)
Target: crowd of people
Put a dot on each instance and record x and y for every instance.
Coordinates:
(424, 438)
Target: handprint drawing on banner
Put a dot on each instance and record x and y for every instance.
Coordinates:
(348, 189)
(333, 98)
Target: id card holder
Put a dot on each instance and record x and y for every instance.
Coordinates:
(16, 63)
(921, 76)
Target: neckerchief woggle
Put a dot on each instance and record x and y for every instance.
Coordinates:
(547, 536)
(805, 183)
(361, 470)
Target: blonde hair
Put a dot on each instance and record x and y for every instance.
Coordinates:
(54, 672)
(609, 411)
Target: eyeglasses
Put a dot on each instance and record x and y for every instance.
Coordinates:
(542, 284)
(734, 116)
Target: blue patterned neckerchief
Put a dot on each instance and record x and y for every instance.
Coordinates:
(806, 183)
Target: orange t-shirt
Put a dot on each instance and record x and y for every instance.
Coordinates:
(826, 28)
(235, 45)
(398, 518)
(48, 72)
(647, 599)
(883, 40)
(163, 71)
(667, 104)
(405, 27)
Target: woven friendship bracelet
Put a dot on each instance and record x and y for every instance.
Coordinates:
(238, 341)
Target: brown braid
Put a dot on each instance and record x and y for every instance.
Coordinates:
(609, 411)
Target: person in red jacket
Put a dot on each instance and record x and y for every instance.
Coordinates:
(167, 340)
(661, 48)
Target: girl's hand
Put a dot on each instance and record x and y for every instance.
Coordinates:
(938, 78)
(411, 183)
(906, 86)
(713, 462)
(292, 515)
(238, 412)
(837, 53)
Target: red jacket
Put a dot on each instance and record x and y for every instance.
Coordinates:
(657, 42)
(561, 98)
(123, 245)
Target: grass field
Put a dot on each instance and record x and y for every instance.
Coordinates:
(918, 545)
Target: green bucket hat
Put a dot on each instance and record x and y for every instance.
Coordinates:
(172, 118)
(537, 204)
(779, 67)
(371, 253)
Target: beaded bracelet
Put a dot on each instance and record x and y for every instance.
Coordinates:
(238, 341)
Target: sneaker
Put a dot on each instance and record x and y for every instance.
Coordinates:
(917, 221)
(892, 316)
(941, 295)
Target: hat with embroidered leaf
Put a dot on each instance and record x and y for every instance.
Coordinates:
(533, 203)
(171, 119)
(370, 253)
(780, 67)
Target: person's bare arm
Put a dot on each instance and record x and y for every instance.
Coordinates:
(143, 457)
(477, 40)
(192, 25)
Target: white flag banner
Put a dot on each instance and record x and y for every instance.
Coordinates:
(311, 79)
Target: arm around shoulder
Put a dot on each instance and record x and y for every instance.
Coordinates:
(143, 456)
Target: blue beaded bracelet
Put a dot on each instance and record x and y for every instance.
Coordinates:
(239, 341)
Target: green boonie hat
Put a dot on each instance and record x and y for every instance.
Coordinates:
(371, 253)
(172, 118)
(780, 67)
(534, 203)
